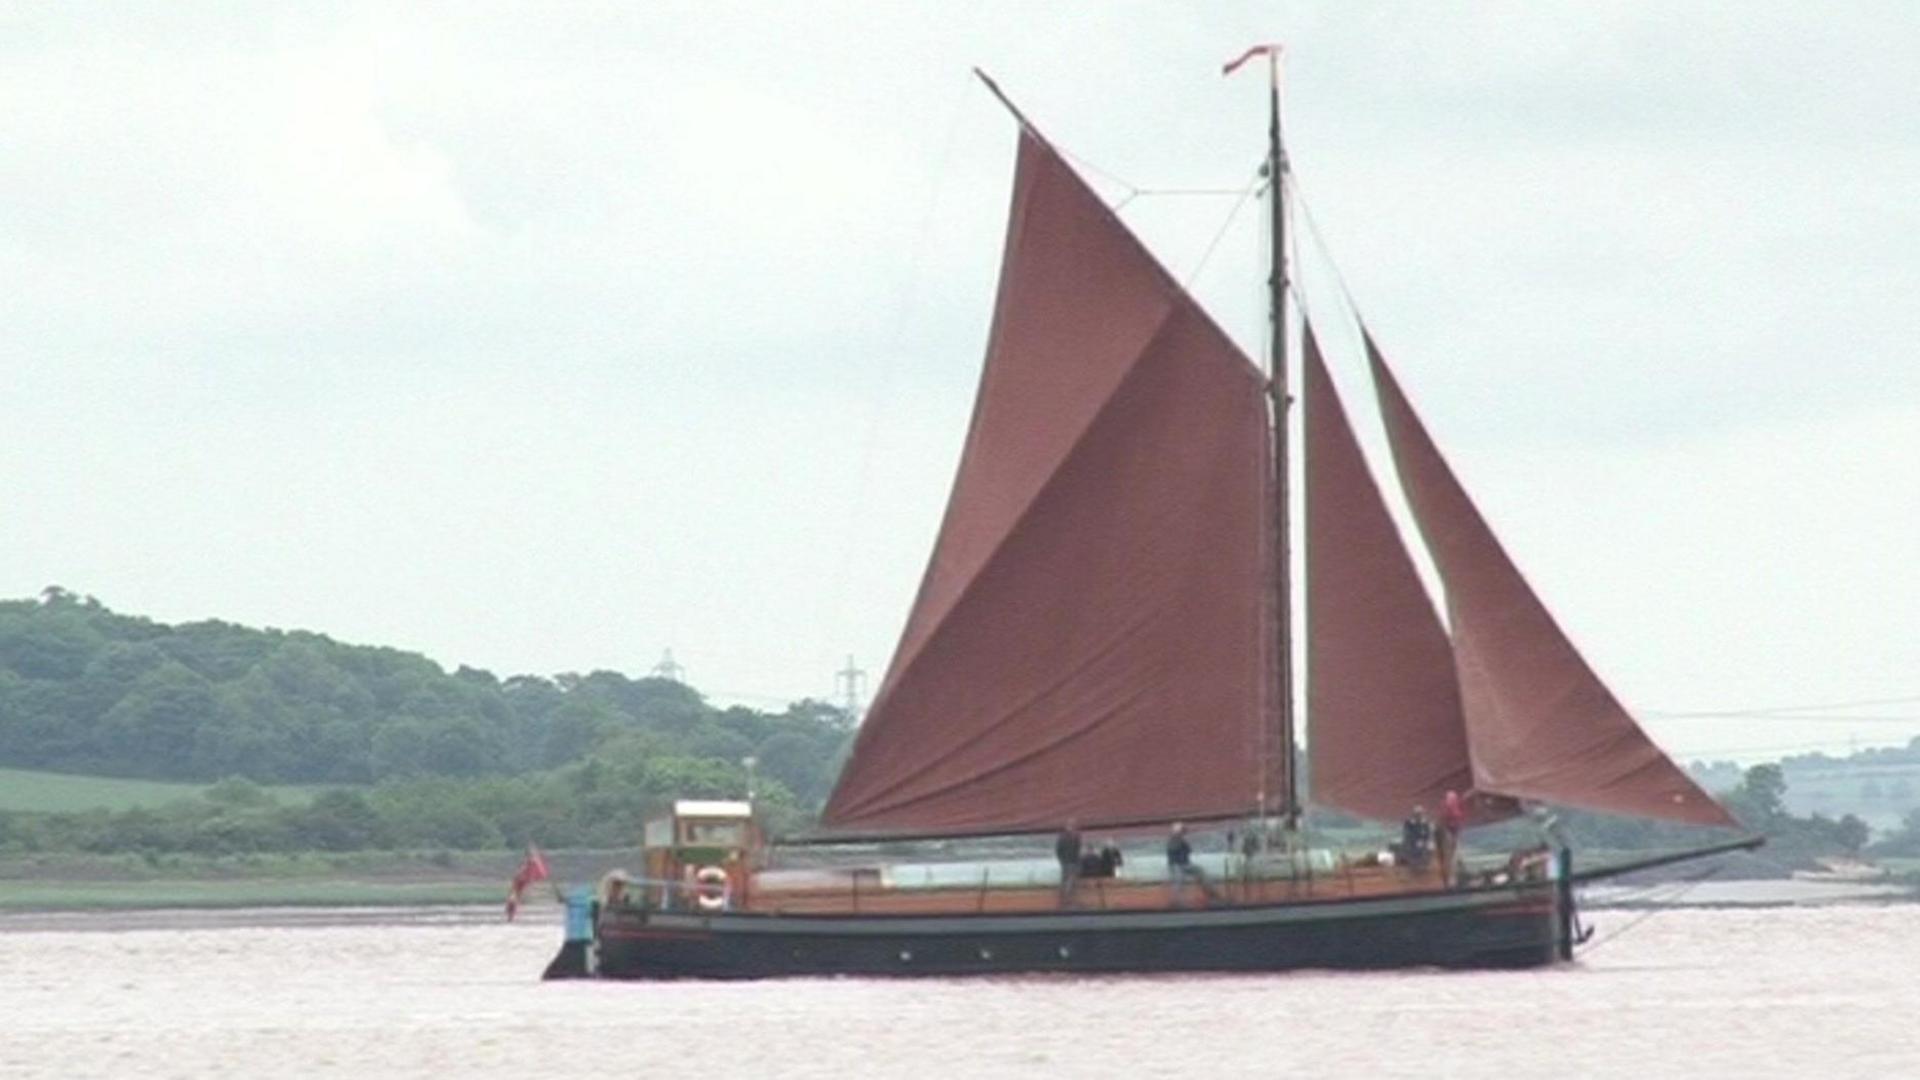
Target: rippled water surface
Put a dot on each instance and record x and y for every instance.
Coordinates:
(1827, 992)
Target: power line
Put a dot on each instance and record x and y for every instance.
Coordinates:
(1806, 718)
(1763, 710)
(1744, 751)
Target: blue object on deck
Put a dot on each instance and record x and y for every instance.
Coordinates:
(579, 914)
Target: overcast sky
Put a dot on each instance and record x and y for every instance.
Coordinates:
(545, 338)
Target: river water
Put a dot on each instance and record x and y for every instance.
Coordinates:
(1831, 991)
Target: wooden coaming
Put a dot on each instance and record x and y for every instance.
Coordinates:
(861, 894)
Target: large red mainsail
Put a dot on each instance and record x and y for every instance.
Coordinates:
(1384, 730)
(1540, 724)
(1091, 638)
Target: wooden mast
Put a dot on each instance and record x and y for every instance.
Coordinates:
(1277, 387)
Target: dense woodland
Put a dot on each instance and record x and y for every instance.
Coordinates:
(416, 758)
(422, 758)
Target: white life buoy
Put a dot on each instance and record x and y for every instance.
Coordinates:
(710, 889)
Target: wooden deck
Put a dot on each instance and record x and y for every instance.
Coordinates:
(861, 892)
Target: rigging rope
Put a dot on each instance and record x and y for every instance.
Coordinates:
(1135, 191)
(1326, 255)
(1233, 212)
(1660, 905)
(881, 385)
(1091, 167)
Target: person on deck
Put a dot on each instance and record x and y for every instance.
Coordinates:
(1416, 839)
(1180, 862)
(1453, 819)
(1066, 848)
(1101, 862)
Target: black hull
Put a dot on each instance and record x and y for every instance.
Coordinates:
(1523, 926)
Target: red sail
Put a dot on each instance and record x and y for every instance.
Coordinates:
(1090, 639)
(1540, 724)
(1384, 730)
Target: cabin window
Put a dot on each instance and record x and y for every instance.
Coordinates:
(714, 833)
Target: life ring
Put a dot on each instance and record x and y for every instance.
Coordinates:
(710, 888)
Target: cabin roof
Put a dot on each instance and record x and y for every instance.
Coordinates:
(712, 808)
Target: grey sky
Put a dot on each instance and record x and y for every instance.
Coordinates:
(541, 338)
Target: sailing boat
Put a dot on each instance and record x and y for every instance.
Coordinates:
(1103, 638)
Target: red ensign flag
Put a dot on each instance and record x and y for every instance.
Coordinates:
(1233, 65)
(532, 870)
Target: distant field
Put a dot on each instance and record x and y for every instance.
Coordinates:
(28, 789)
(69, 881)
(69, 895)
(1882, 795)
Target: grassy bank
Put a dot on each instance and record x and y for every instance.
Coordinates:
(36, 791)
(98, 895)
(1903, 869)
(73, 882)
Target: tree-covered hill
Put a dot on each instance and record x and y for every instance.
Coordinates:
(84, 689)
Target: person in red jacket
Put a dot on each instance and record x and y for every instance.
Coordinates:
(1453, 819)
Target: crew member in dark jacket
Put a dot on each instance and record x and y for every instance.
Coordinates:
(1102, 862)
(1416, 839)
(1180, 862)
(1066, 848)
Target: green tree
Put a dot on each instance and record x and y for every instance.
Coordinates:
(798, 762)
(1903, 841)
(1760, 802)
(710, 740)
(411, 746)
(1852, 834)
(156, 722)
(574, 729)
(693, 778)
(338, 821)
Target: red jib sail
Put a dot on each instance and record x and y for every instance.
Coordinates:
(1384, 729)
(1540, 724)
(1091, 638)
